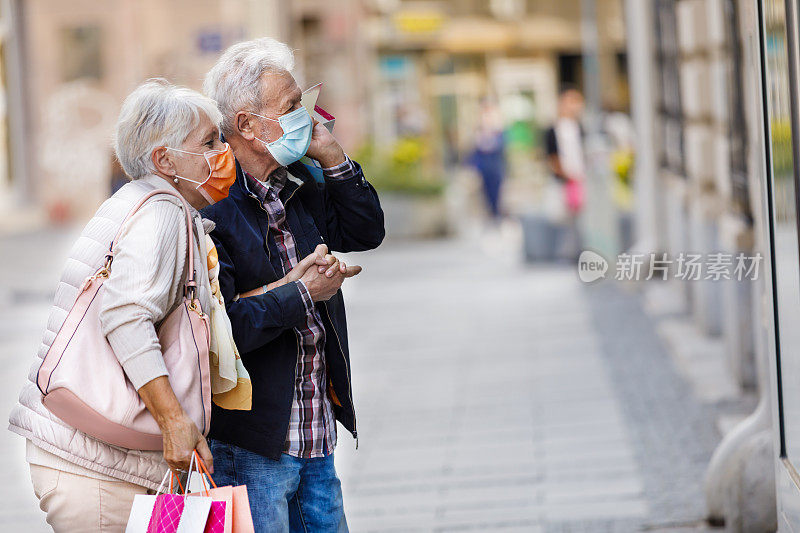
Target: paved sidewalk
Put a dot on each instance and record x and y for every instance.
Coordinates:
(498, 397)
(491, 396)
(30, 269)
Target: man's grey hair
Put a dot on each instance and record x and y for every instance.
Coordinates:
(234, 82)
(157, 113)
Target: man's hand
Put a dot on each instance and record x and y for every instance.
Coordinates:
(324, 147)
(322, 283)
(319, 257)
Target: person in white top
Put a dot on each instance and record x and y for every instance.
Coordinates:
(566, 159)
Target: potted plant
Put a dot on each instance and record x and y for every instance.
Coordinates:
(412, 197)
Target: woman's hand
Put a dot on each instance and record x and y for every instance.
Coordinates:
(181, 437)
(179, 432)
(319, 257)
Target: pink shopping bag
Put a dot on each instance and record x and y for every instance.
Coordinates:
(144, 506)
(216, 517)
(166, 514)
(169, 513)
(575, 195)
(238, 518)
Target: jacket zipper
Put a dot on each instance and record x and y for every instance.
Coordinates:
(338, 342)
(347, 374)
(294, 384)
(269, 254)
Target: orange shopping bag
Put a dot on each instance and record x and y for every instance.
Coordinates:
(237, 505)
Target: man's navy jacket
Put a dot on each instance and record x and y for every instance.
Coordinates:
(346, 215)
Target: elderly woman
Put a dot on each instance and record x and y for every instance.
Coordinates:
(82, 483)
(167, 137)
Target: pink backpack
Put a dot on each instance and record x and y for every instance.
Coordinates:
(83, 383)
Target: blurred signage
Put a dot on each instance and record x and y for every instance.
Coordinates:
(209, 41)
(418, 21)
(395, 67)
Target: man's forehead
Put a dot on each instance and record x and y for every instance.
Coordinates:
(278, 87)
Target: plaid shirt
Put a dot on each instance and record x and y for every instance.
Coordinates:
(312, 426)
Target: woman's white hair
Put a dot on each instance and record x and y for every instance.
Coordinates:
(234, 82)
(157, 113)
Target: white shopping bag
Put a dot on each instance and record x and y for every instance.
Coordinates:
(141, 511)
(195, 515)
(142, 508)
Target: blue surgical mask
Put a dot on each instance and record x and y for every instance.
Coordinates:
(293, 144)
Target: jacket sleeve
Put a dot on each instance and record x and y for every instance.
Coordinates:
(257, 320)
(354, 217)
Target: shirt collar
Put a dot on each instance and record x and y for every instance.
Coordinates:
(261, 189)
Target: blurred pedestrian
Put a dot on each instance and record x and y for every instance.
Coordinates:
(488, 156)
(566, 159)
(293, 339)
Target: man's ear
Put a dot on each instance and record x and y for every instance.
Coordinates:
(162, 162)
(244, 125)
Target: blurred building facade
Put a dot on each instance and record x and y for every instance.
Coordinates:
(700, 188)
(436, 60)
(68, 66)
(391, 69)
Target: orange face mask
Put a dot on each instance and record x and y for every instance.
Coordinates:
(221, 175)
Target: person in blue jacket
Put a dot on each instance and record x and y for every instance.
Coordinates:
(288, 323)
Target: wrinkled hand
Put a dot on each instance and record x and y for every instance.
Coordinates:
(324, 147)
(323, 282)
(179, 433)
(181, 437)
(319, 257)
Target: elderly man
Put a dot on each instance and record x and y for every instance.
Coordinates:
(293, 337)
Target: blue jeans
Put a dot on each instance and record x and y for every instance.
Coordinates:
(288, 495)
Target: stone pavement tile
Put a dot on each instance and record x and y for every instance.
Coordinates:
(588, 458)
(495, 418)
(673, 429)
(526, 512)
(584, 510)
(700, 359)
(28, 282)
(581, 492)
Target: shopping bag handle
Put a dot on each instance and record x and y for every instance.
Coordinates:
(171, 476)
(203, 469)
(197, 463)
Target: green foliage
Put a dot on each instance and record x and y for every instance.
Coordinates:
(400, 168)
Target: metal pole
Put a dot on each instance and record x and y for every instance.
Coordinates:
(638, 18)
(600, 222)
(17, 104)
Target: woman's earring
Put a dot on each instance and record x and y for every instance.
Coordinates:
(176, 181)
